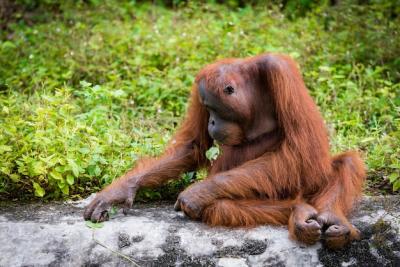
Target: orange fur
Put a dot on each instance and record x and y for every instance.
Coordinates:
(283, 177)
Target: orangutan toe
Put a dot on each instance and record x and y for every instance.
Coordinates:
(336, 237)
(308, 232)
(336, 232)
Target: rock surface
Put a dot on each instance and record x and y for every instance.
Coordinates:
(154, 235)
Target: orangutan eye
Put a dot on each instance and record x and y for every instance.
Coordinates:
(229, 90)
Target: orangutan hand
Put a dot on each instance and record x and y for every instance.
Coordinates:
(114, 194)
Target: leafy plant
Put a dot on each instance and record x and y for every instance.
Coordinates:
(94, 225)
(85, 94)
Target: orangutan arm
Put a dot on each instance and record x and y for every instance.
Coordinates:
(264, 177)
(186, 152)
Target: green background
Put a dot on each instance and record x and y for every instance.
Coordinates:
(88, 87)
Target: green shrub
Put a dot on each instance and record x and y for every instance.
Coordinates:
(368, 33)
(86, 94)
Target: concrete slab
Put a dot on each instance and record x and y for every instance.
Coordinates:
(154, 235)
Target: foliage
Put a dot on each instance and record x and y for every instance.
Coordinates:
(86, 94)
(213, 153)
(93, 225)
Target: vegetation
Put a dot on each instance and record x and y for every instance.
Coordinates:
(86, 88)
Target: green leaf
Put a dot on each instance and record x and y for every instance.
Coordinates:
(4, 148)
(60, 169)
(15, 177)
(396, 185)
(97, 170)
(56, 175)
(188, 176)
(91, 170)
(8, 45)
(85, 84)
(36, 168)
(70, 179)
(39, 191)
(5, 170)
(368, 139)
(94, 225)
(393, 177)
(118, 93)
(113, 211)
(212, 153)
(325, 68)
(61, 184)
(395, 165)
(201, 174)
(74, 167)
(64, 188)
(84, 150)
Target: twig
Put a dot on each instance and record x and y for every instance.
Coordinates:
(114, 251)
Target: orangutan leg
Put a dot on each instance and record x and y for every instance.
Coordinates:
(336, 201)
(247, 213)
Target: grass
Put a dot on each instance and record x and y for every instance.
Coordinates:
(85, 93)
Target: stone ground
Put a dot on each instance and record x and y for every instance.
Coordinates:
(155, 235)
